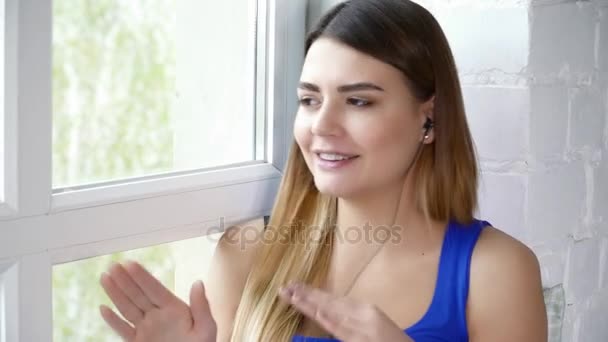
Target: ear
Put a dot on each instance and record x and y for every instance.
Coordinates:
(427, 111)
(428, 108)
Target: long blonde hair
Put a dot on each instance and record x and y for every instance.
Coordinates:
(300, 231)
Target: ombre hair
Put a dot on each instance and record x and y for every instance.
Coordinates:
(405, 35)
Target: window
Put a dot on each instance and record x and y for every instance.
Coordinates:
(137, 92)
(211, 156)
(8, 292)
(8, 112)
(77, 295)
(2, 108)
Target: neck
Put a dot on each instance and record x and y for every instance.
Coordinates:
(389, 207)
(391, 210)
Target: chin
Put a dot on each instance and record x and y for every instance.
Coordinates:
(336, 189)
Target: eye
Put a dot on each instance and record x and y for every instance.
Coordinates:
(358, 102)
(307, 101)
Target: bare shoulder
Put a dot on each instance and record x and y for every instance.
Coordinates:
(495, 246)
(505, 300)
(230, 266)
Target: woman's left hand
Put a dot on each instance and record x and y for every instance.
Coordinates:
(344, 318)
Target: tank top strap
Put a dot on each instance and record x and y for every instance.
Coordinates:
(453, 278)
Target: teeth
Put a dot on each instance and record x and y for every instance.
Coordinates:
(333, 156)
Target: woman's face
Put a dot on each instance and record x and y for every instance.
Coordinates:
(355, 106)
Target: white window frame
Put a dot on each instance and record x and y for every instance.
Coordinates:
(3, 337)
(40, 227)
(8, 201)
(9, 292)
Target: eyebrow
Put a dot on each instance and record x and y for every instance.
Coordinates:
(343, 88)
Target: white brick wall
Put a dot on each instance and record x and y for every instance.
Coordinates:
(602, 45)
(562, 37)
(556, 200)
(587, 117)
(535, 81)
(498, 128)
(583, 257)
(548, 104)
(511, 191)
(593, 320)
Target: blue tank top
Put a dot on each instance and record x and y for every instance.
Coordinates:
(445, 319)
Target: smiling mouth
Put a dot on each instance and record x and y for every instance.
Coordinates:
(333, 163)
(334, 157)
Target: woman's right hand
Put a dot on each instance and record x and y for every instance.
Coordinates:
(152, 312)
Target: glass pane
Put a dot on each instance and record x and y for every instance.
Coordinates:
(138, 92)
(77, 293)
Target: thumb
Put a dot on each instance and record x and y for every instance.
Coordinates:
(203, 320)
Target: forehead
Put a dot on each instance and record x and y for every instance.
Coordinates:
(330, 62)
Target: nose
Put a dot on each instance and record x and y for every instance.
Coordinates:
(326, 121)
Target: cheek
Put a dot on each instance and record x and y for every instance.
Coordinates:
(387, 138)
(301, 132)
(391, 145)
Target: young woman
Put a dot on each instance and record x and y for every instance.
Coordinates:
(378, 241)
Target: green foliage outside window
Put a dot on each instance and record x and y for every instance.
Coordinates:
(113, 85)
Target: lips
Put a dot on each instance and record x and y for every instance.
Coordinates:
(328, 151)
(334, 165)
(345, 157)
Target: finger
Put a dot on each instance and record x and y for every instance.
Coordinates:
(201, 313)
(339, 323)
(124, 305)
(312, 294)
(130, 288)
(336, 322)
(333, 313)
(153, 289)
(122, 328)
